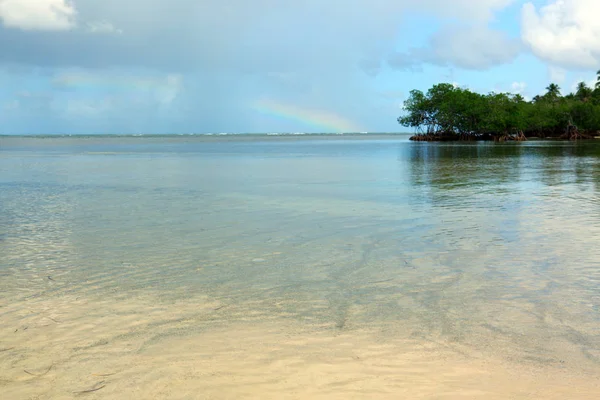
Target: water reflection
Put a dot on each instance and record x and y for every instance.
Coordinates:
(447, 172)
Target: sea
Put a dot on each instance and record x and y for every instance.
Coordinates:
(298, 266)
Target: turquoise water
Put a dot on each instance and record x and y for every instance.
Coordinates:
(491, 247)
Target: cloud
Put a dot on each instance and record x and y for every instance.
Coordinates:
(518, 87)
(30, 103)
(114, 80)
(49, 15)
(102, 27)
(591, 83)
(87, 107)
(223, 55)
(172, 86)
(482, 10)
(247, 36)
(42, 15)
(473, 47)
(79, 93)
(557, 74)
(82, 100)
(564, 32)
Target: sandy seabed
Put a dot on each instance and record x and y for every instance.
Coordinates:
(64, 347)
(360, 269)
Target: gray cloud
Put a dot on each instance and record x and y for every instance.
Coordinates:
(474, 47)
(259, 35)
(228, 53)
(262, 35)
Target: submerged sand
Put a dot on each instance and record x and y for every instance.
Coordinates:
(253, 269)
(66, 346)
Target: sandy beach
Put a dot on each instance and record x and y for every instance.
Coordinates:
(62, 347)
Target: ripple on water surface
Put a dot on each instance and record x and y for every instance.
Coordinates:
(299, 268)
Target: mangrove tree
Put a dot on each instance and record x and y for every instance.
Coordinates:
(448, 112)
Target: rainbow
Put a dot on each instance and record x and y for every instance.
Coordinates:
(321, 120)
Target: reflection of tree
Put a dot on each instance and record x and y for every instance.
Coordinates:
(596, 179)
(455, 170)
(449, 174)
(563, 163)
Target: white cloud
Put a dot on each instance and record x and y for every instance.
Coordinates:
(564, 32)
(86, 107)
(48, 15)
(512, 88)
(518, 87)
(171, 87)
(557, 74)
(591, 83)
(102, 27)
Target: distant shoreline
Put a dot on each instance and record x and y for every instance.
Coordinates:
(241, 137)
(219, 137)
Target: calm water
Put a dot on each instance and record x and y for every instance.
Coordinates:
(488, 247)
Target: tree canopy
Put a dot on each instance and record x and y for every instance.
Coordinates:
(447, 112)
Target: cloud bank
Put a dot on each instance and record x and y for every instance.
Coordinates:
(212, 59)
(473, 47)
(565, 33)
(40, 15)
(251, 36)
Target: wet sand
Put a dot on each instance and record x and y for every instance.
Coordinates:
(52, 347)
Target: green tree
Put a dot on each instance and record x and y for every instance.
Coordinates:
(583, 93)
(552, 92)
(446, 112)
(418, 111)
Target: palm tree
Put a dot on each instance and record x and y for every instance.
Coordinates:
(553, 90)
(517, 98)
(583, 92)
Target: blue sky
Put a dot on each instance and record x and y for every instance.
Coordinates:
(198, 66)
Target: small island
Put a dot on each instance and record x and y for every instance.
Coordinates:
(447, 113)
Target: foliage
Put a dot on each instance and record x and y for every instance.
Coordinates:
(447, 112)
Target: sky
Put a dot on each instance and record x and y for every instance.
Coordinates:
(215, 66)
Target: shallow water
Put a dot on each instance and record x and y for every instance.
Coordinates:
(255, 267)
